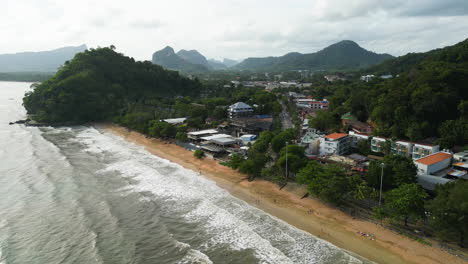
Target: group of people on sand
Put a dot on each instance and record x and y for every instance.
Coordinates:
(371, 235)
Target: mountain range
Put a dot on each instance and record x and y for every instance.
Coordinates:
(188, 61)
(344, 55)
(43, 61)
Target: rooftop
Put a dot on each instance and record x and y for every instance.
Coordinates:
(203, 132)
(434, 158)
(240, 105)
(336, 136)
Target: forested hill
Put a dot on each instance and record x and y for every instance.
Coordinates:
(454, 54)
(100, 84)
(428, 99)
(344, 55)
(43, 61)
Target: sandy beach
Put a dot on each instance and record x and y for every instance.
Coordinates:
(307, 214)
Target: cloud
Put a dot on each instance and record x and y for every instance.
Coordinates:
(232, 28)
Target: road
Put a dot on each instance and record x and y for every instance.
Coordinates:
(286, 120)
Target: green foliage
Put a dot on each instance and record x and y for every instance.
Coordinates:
(100, 84)
(449, 211)
(405, 201)
(235, 161)
(454, 132)
(398, 170)
(325, 121)
(181, 136)
(199, 154)
(279, 141)
(161, 129)
(329, 182)
(296, 158)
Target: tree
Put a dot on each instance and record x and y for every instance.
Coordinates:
(449, 211)
(279, 141)
(181, 136)
(199, 154)
(398, 170)
(295, 157)
(325, 121)
(235, 161)
(405, 201)
(330, 183)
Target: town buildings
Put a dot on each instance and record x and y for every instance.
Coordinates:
(336, 143)
(240, 109)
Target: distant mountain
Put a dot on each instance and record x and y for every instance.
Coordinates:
(217, 65)
(344, 55)
(229, 62)
(43, 61)
(170, 60)
(194, 57)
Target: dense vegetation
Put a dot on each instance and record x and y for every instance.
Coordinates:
(344, 55)
(101, 84)
(429, 100)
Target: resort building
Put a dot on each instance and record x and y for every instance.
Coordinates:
(423, 150)
(357, 126)
(355, 137)
(433, 163)
(197, 135)
(377, 144)
(461, 156)
(403, 148)
(240, 109)
(336, 143)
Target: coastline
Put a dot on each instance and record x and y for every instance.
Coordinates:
(307, 214)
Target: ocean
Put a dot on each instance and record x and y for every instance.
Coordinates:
(80, 195)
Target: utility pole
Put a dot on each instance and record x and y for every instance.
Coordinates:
(286, 172)
(382, 165)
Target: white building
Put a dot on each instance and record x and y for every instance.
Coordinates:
(355, 137)
(433, 163)
(240, 109)
(403, 148)
(377, 144)
(461, 156)
(336, 143)
(367, 78)
(423, 150)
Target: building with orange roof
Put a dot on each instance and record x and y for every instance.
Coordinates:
(433, 163)
(336, 143)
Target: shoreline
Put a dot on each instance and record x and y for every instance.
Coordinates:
(309, 215)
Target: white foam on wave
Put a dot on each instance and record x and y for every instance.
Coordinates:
(228, 221)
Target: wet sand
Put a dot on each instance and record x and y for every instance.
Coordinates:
(307, 214)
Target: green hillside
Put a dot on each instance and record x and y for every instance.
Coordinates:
(100, 84)
(344, 55)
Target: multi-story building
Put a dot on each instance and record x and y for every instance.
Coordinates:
(423, 150)
(433, 163)
(355, 137)
(240, 109)
(403, 148)
(336, 143)
(377, 144)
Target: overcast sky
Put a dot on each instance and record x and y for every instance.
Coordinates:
(232, 28)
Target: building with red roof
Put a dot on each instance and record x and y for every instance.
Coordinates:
(434, 162)
(334, 144)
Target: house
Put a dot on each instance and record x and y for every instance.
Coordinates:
(355, 137)
(174, 121)
(357, 126)
(433, 163)
(248, 138)
(336, 143)
(421, 150)
(377, 144)
(313, 104)
(461, 156)
(388, 76)
(332, 78)
(240, 109)
(403, 148)
(197, 135)
(311, 142)
(251, 125)
(367, 78)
